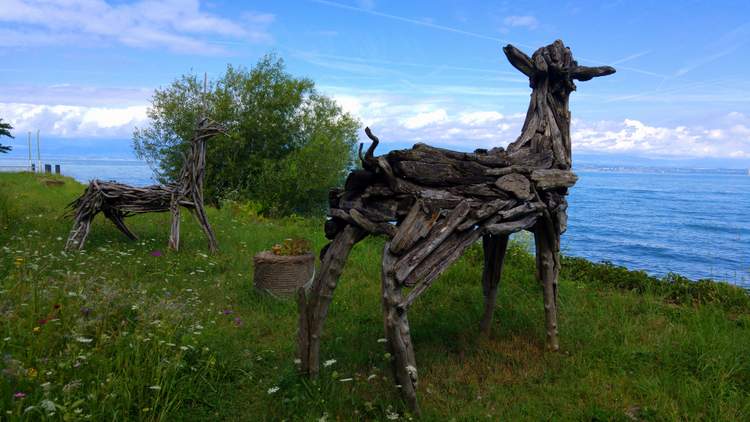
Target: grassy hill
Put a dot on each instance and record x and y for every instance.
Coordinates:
(121, 332)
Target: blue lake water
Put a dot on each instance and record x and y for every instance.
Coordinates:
(695, 223)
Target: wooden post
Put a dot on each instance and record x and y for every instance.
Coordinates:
(38, 152)
(33, 167)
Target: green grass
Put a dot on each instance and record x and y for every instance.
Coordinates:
(114, 333)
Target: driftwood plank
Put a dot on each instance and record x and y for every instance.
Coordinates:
(553, 178)
(437, 235)
(415, 226)
(509, 227)
(516, 184)
(314, 298)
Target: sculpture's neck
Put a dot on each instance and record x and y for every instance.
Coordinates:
(194, 166)
(545, 137)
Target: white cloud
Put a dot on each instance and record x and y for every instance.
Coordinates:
(178, 25)
(479, 118)
(423, 119)
(525, 21)
(636, 137)
(74, 121)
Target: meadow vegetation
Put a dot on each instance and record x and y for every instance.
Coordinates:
(131, 331)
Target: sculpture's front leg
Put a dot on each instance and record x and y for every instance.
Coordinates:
(547, 239)
(397, 333)
(494, 255)
(315, 297)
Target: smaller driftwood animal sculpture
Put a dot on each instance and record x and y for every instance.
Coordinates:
(443, 201)
(118, 201)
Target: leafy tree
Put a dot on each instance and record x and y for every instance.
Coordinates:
(286, 144)
(5, 129)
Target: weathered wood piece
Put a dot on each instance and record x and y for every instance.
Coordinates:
(545, 179)
(547, 242)
(494, 247)
(415, 226)
(516, 184)
(397, 333)
(509, 227)
(434, 203)
(437, 235)
(118, 201)
(315, 296)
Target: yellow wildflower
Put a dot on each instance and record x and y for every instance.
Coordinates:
(19, 262)
(37, 329)
(31, 373)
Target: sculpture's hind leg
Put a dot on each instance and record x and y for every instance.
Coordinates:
(200, 214)
(397, 333)
(547, 239)
(116, 217)
(315, 296)
(494, 255)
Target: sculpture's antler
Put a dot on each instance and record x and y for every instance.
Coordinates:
(585, 73)
(519, 60)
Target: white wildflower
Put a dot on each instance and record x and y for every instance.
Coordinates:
(382, 340)
(273, 390)
(84, 339)
(412, 371)
(329, 362)
(390, 414)
(298, 361)
(47, 405)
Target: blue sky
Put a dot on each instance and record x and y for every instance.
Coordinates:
(421, 71)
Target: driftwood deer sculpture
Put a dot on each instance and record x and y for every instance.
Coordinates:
(443, 201)
(118, 201)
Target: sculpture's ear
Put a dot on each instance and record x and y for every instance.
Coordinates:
(519, 60)
(585, 73)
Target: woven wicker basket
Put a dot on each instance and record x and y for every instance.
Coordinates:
(282, 275)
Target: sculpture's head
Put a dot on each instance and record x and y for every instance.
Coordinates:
(208, 128)
(554, 66)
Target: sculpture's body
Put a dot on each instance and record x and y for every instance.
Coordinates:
(444, 201)
(118, 201)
